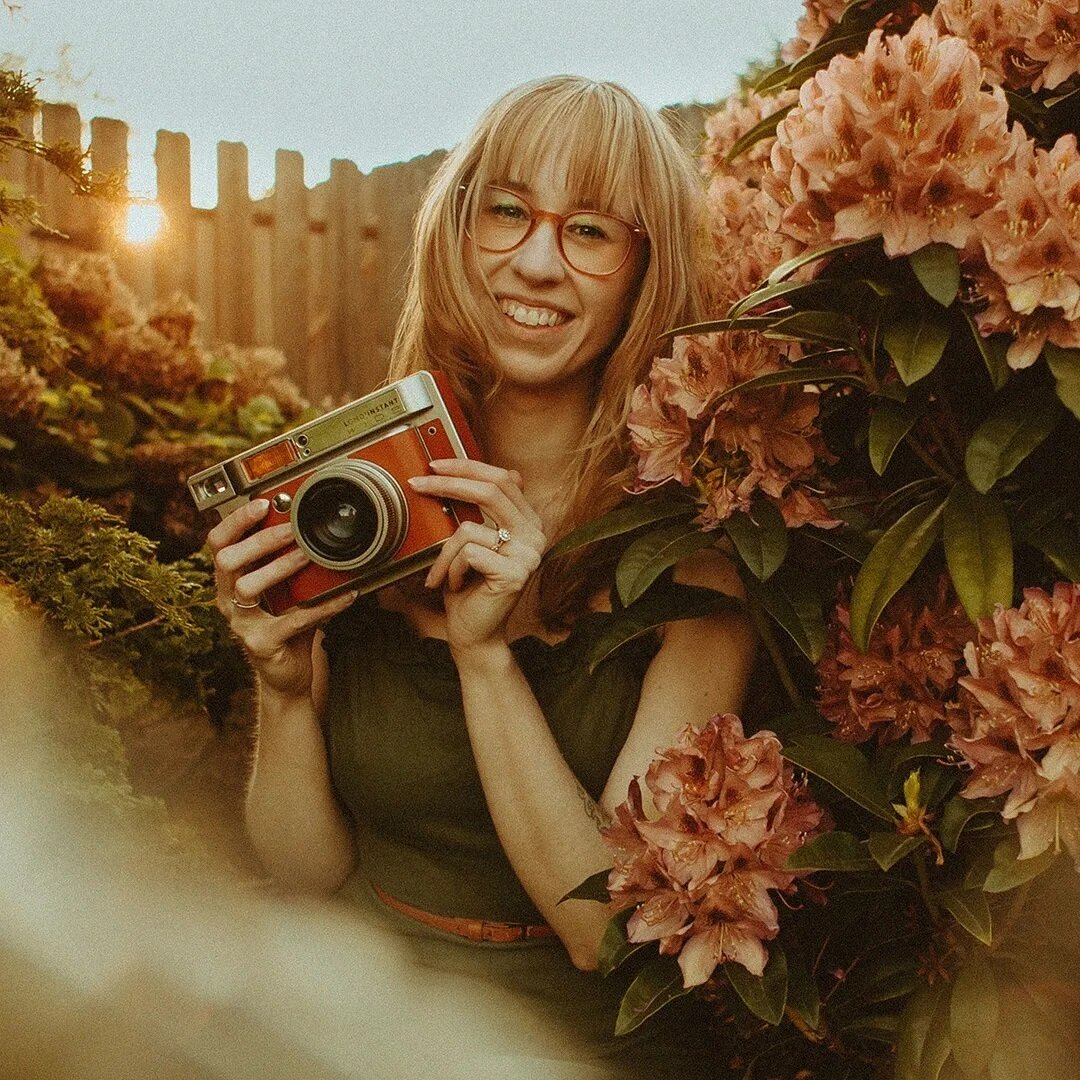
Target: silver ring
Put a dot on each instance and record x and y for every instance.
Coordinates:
(245, 607)
(503, 537)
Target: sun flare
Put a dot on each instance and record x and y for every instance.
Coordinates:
(143, 222)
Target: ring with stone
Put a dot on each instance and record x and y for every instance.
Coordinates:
(503, 536)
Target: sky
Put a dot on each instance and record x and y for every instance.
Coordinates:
(375, 81)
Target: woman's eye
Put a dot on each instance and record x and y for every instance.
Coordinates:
(587, 229)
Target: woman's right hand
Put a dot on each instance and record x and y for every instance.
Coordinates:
(245, 566)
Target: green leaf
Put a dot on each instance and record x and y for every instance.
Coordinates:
(891, 759)
(594, 887)
(764, 995)
(786, 269)
(615, 947)
(937, 1047)
(914, 1026)
(973, 1018)
(842, 766)
(774, 291)
(877, 978)
(992, 349)
(916, 340)
(793, 602)
(978, 550)
(633, 515)
(656, 984)
(970, 908)
(650, 555)
(892, 420)
(937, 267)
(1064, 365)
(1008, 435)
(888, 848)
(660, 605)
(891, 562)
(831, 851)
(761, 130)
(832, 327)
(760, 537)
(803, 997)
(1009, 871)
(800, 373)
(958, 812)
(116, 422)
(1060, 543)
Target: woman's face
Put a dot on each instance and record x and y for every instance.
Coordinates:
(546, 323)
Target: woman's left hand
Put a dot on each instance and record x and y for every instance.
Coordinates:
(483, 568)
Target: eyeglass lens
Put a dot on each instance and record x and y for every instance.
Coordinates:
(593, 243)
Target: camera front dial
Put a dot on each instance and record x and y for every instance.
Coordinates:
(348, 514)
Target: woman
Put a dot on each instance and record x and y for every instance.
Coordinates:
(447, 733)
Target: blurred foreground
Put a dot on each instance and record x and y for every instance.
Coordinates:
(128, 951)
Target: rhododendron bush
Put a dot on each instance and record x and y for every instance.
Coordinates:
(880, 424)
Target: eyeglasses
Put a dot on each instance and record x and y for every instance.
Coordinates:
(590, 242)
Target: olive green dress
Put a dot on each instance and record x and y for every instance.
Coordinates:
(402, 764)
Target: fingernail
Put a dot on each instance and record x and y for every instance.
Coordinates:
(262, 505)
(413, 481)
(427, 580)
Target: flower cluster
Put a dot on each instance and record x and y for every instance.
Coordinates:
(687, 426)
(728, 814)
(744, 249)
(905, 684)
(1031, 245)
(1020, 732)
(21, 386)
(900, 141)
(1022, 44)
(83, 289)
(817, 18)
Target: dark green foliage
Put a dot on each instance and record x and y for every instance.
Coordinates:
(101, 581)
(26, 321)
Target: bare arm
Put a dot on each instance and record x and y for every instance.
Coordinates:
(547, 824)
(297, 828)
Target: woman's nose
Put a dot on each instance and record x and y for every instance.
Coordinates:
(539, 258)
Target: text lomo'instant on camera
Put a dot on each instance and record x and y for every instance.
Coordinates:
(340, 481)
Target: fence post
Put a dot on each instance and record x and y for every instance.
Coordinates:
(174, 250)
(289, 262)
(350, 304)
(60, 209)
(234, 243)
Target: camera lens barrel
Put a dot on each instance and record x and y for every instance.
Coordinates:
(349, 514)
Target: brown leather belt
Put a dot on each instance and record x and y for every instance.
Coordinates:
(473, 929)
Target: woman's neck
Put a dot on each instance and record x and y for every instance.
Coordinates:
(538, 432)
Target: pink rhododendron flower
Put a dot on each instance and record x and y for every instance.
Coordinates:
(1029, 270)
(818, 17)
(905, 684)
(729, 448)
(900, 141)
(702, 867)
(1022, 44)
(1020, 729)
(744, 249)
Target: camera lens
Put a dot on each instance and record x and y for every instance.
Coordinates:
(338, 519)
(348, 514)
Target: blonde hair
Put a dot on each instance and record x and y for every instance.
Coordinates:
(617, 153)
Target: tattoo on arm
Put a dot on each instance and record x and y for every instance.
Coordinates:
(596, 814)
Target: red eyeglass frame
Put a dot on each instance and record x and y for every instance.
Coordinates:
(637, 233)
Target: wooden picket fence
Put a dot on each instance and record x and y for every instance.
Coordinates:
(318, 272)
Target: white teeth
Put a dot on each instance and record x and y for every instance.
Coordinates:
(528, 316)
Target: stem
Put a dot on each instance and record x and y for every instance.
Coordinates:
(924, 889)
(926, 459)
(772, 647)
(124, 633)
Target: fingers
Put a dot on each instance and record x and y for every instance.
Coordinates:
(249, 587)
(232, 528)
(266, 636)
(233, 558)
(473, 546)
(507, 480)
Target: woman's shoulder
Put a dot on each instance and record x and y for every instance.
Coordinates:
(711, 568)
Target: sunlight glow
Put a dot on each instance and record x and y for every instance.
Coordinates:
(143, 222)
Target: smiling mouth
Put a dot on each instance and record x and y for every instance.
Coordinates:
(524, 315)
